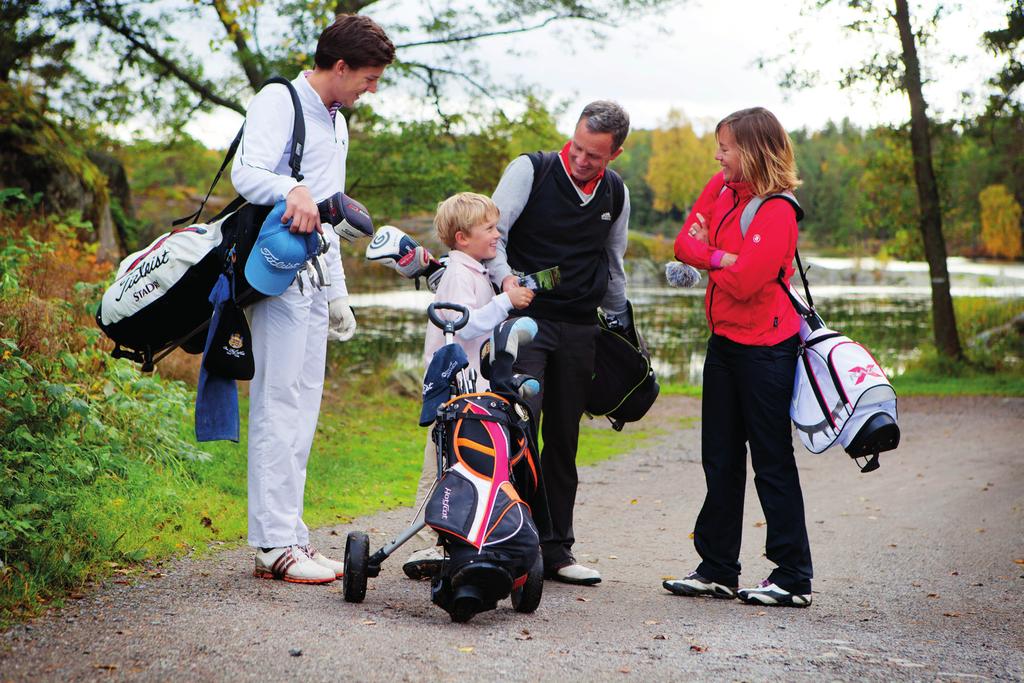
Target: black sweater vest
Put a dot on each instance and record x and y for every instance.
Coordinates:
(554, 230)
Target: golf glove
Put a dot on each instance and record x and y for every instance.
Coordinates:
(342, 323)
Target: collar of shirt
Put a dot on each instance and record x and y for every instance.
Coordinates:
(590, 185)
(335, 106)
(456, 256)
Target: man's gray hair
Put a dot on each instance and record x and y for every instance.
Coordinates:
(605, 116)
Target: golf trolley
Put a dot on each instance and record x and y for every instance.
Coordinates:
(488, 486)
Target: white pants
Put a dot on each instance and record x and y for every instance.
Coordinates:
(289, 340)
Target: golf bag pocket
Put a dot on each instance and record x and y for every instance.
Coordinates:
(452, 509)
(159, 297)
(840, 388)
(230, 353)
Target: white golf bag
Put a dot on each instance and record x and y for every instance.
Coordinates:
(840, 392)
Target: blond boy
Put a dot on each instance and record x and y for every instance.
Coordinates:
(468, 224)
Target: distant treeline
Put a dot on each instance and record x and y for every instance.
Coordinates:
(858, 189)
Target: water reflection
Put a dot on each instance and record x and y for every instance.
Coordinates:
(392, 325)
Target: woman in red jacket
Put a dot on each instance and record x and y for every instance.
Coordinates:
(750, 363)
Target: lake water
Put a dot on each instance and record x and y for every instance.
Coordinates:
(892, 320)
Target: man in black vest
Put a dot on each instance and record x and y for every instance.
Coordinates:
(566, 209)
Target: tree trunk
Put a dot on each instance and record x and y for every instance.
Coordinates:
(943, 319)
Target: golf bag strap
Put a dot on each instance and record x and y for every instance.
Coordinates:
(452, 413)
(294, 154)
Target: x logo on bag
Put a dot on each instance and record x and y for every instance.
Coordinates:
(859, 373)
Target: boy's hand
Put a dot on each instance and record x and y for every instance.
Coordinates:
(520, 296)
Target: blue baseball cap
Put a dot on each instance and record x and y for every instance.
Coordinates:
(447, 361)
(278, 254)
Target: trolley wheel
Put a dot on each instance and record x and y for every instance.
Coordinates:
(357, 557)
(526, 598)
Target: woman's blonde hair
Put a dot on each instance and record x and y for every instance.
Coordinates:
(766, 152)
(461, 213)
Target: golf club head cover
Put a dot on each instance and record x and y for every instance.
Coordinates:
(350, 219)
(435, 271)
(526, 386)
(681, 274)
(500, 351)
(510, 335)
(393, 248)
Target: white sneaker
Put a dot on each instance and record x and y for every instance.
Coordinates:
(577, 574)
(312, 553)
(290, 564)
(423, 563)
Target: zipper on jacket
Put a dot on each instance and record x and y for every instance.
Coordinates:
(711, 294)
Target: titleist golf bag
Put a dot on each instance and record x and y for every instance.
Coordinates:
(482, 506)
(159, 299)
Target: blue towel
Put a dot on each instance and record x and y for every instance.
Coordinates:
(217, 397)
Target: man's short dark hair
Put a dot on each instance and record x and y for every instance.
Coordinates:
(605, 116)
(357, 39)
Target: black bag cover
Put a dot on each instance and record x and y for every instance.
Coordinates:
(230, 353)
(624, 386)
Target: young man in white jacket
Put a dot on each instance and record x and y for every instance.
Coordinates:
(290, 331)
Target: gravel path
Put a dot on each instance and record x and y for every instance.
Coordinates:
(918, 577)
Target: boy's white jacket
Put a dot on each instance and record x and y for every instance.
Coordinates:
(838, 386)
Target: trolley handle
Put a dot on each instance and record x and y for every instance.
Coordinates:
(448, 326)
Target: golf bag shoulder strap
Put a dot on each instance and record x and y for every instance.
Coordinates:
(543, 162)
(294, 154)
(755, 204)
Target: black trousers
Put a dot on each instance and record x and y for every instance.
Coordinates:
(747, 390)
(561, 356)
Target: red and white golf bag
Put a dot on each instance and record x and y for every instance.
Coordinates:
(840, 392)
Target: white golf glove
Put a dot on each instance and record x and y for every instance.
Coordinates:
(342, 323)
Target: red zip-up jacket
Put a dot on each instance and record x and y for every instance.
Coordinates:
(744, 302)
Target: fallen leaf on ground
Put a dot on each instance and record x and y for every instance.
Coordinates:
(659, 637)
(624, 670)
(1019, 561)
(613, 557)
(668, 578)
(950, 614)
(933, 595)
(691, 535)
(759, 523)
(650, 622)
(369, 622)
(583, 599)
(108, 667)
(697, 648)
(465, 649)
(633, 502)
(524, 635)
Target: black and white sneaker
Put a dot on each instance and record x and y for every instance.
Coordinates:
(696, 585)
(767, 593)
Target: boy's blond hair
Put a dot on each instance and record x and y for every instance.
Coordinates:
(462, 212)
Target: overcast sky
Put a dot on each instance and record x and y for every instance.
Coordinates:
(699, 58)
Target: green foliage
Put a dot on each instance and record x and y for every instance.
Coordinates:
(167, 180)
(680, 163)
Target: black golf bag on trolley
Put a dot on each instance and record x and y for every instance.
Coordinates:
(487, 503)
(483, 504)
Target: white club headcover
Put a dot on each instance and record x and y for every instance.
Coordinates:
(393, 248)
